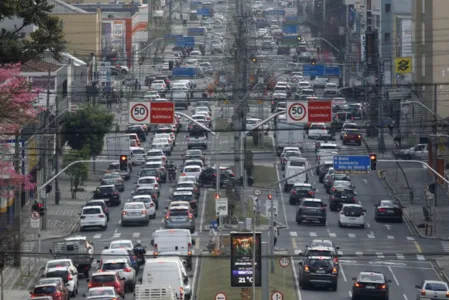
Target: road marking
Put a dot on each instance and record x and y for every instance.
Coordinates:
(418, 247)
(394, 276)
(295, 275)
(97, 236)
(351, 235)
(293, 233)
(390, 237)
(332, 234)
(420, 257)
(410, 238)
(365, 181)
(297, 251)
(358, 253)
(400, 256)
(282, 195)
(371, 236)
(295, 246)
(405, 297)
(136, 234)
(116, 235)
(202, 212)
(380, 255)
(350, 294)
(340, 253)
(197, 243)
(313, 234)
(317, 190)
(367, 224)
(342, 272)
(445, 246)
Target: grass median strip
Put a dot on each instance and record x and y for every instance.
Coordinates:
(215, 276)
(266, 145)
(264, 176)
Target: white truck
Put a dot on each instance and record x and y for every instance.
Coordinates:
(288, 135)
(117, 145)
(151, 292)
(420, 151)
(77, 248)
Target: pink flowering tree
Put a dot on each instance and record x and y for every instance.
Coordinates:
(16, 111)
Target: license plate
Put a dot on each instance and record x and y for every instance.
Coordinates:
(352, 219)
(370, 287)
(320, 272)
(390, 211)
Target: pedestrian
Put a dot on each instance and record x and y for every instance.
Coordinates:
(390, 128)
(276, 234)
(398, 139)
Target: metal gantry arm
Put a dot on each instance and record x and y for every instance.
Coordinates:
(425, 107)
(419, 162)
(196, 122)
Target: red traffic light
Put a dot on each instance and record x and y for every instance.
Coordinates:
(217, 196)
(123, 157)
(270, 196)
(373, 156)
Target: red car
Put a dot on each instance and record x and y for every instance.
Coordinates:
(352, 137)
(109, 278)
(49, 289)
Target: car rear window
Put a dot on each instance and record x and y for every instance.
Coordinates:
(353, 210)
(44, 290)
(182, 198)
(319, 263)
(192, 169)
(319, 253)
(345, 193)
(133, 206)
(106, 190)
(312, 204)
(327, 147)
(100, 292)
(144, 192)
(301, 164)
(291, 154)
(138, 151)
(142, 200)
(185, 184)
(103, 278)
(197, 134)
(147, 180)
(114, 266)
(302, 188)
(435, 286)
(58, 264)
(150, 172)
(179, 212)
(64, 274)
(91, 211)
(373, 277)
(153, 166)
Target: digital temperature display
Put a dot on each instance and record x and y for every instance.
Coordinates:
(242, 247)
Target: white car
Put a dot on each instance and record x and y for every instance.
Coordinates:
(191, 63)
(93, 216)
(69, 274)
(352, 215)
(54, 263)
(195, 53)
(166, 147)
(262, 32)
(304, 85)
(192, 171)
(316, 130)
(320, 82)
(121, 244)
(137, 154)
(124, 269)
(148, 181)
(166, 136)
(432, 289)
(150, 206)
(104, 292)
(151, 95)
(330, 89)
(257, 4)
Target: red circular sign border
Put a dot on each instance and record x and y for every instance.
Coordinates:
(224, 294)
(305, 114)
(146, 116)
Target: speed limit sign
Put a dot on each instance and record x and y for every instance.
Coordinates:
(139, 112)
(297, 112)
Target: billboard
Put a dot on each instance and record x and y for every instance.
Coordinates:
(371, 50)
(113, 40)
(406, 38)
(242, 247)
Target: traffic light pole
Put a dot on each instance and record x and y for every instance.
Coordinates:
(41, 191)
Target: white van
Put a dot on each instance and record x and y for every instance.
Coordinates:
(164, 272)
(295, 166)
(174, 240)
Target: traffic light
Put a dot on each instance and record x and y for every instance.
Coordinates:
(373, 159)
(217, 196)
(298, 37)
(123, 162)
(313, 61)
(270, 197)
(254, 60)
(170, 65)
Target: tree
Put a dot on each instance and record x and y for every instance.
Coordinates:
(49, 34)
(78, 172)
(86, 127)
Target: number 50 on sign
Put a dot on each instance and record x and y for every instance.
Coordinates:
(139, 112)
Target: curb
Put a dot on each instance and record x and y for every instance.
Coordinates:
(408, 220)
(440, 269)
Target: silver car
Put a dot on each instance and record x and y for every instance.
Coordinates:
(135, 212)
(180, 217)
(148, 181)
(114, 178)
(149, 204)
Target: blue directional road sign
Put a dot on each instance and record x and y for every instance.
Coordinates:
(291, 20)
(352, 164)
(276, 12)
(183, 72)
(185, 41)
(313, 70)
(200, 31)
(290, 29)
(332, 71)
(204, 11)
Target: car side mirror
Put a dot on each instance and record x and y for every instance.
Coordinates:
(324, 205)
(87, 280)
(417, 286)
(152, 243)
(300, 263)
(314, 189)
(337, 248)
(364, 210)
(51, 251)
(106, 247)
(354, 278)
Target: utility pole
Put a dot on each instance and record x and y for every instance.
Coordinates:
(347, 65)
(170, 14)
(17, 205)
(381, 137)
(435, 142)
(44, 151)
(57, 191)
(150, 24)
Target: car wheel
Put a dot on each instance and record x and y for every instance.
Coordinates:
(334, 287)
(192, 231)
(339, 224)
(291, 202)
(105, 227)
(298, 221)
(362, 226)
(320, 180)
(376, 219)
(324, 223)
(147, 223)
(304, 285)
(122, 224)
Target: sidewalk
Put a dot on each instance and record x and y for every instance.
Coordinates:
(62, 221)
(372, 143)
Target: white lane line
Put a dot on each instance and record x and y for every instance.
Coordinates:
(420, 257)
(203, 211)
(317, 190)
(368, 225)
(410, 238)
(117, 235)
(136, 234)
(293, 233)
(295, 275)
(400, 256)
(371, 236)
(342, 272)
(351, 235)
(350, 294)
(358, 253)
(97, 236)
(394, 276)
(313, 234)
(380, 255)
(405, 297)
(331, 234)
(340, 253)
(365, 181)
(390, 237)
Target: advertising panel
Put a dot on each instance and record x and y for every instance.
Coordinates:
(406, 38)
(113, 43)
(242, 247)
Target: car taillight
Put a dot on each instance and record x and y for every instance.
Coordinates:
(89, 285)
(164, 158)
(293, 192)
(161, 169)
(333, 198)
(382, 210)
(181, 293)
(272, 102)
(155, 252)
(189, 249)
(214, 175)
(306, 269)
(127, 270)
(195, 189)
(423, 292)
(117, 285)
(157, 178)
(151, 204)
(69, 277)
(156, 185)
(190, 216)
(123, 212)
(167, 215)
(382, 286)
(334, 271)
(39, 205)
(101, 216)
(358, 285)
(359, 136)
(310, 193)
(447, 294)
(333, 189)
(336, 260)
(115, 193)
(144, 212)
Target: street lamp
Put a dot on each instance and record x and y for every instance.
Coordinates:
(403, 103)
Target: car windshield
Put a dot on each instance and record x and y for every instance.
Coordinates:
(144, 192)
(114, 266)
(302, 188)
(147, 181)
(344, 193)
(312, 204)
(372, 277)
(319, 263)
(179, 212)
(290, 154)
(182, 198)
(353, 210)
(64, 274)
(103, 278)
(120, 245)
(44, 290)
(435, 286)
(296, 163)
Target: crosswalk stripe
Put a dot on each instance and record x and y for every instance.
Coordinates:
(293, 233)
(400, 256)
(351, 235)
(359, 253)
(420, 257)
(371, 236)
(313, 234)
(380, 255)
(331, 234)
(117, 235)
(390, 237)
(97, 236)
(340, 253)
(136, 234)
(410, 238)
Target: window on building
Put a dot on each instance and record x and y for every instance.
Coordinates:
(387, 37)
(377, 21)
(387, 8)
